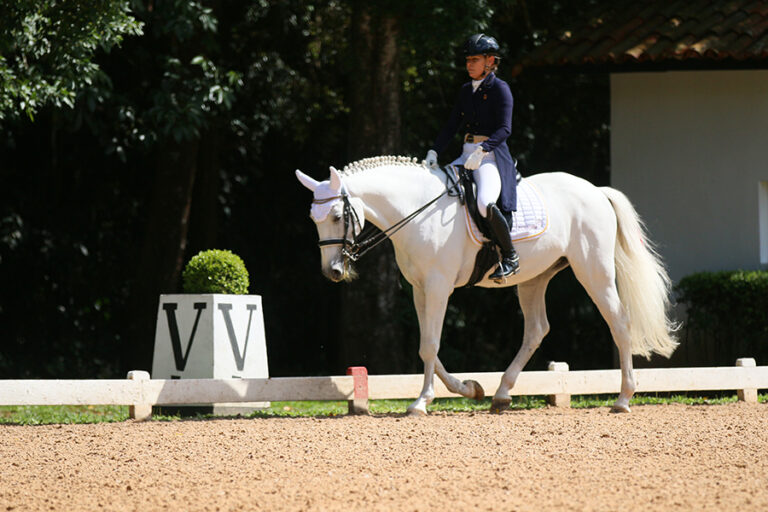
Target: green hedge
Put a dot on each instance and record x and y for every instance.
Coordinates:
(216, 271)
(727, 315)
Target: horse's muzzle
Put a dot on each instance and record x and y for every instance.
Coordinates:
(335, 275)
(338, 271)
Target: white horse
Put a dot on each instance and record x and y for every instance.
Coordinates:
(595, 230)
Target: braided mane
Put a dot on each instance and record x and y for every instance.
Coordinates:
(379, 161)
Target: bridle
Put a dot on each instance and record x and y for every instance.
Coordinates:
(355, 248)
(351, 248)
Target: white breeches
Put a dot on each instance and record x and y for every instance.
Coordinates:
(486, 177)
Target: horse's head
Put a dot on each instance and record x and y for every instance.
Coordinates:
(339, 219)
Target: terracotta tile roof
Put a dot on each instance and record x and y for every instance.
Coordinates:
(654, 31)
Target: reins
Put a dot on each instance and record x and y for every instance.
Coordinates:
(365, 241)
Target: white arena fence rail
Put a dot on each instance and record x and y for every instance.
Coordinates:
(141, 393)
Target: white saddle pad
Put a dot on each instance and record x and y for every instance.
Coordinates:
(530, 220)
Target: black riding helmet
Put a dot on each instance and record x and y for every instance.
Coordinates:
(481, 44)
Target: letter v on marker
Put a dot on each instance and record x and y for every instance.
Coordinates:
(173, 328)
(239, 358)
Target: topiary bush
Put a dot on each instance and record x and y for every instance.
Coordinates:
(215, 271)
(727, 315)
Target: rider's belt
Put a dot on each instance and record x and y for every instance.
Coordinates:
(474, 138)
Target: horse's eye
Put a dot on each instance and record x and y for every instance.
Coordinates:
(336, 217)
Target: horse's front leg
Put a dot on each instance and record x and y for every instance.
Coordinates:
(431, 302)
(536, 326)
(467, 388)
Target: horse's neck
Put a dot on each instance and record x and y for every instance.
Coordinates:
(393, 192)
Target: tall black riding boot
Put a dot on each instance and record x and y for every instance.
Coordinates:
(509, 263)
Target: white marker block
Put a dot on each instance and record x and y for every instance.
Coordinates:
(559, 399)
(211, 336)
(748, 394)
(139, 411)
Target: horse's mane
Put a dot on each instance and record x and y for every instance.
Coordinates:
(379, 161)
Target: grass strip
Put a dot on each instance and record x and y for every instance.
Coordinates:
(62, 414)
(84, 414)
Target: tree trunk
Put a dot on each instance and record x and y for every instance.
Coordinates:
(161, 257)
(375, 84)
(373, 333)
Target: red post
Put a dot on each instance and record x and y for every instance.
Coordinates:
(359, 404)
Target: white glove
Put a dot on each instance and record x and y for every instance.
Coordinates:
(431, 159)
(474, 160)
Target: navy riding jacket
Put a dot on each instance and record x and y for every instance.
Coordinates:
(487, 111)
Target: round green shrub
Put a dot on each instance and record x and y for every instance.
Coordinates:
(215, 271)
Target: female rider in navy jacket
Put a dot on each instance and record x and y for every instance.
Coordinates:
(483, 113)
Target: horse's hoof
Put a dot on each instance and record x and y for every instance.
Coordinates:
(478, 393)
(619, 408)
(415, 413)
(500, 405)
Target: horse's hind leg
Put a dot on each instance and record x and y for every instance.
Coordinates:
(531, 294)
(600, 283)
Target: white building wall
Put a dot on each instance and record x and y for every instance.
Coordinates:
(690, 150)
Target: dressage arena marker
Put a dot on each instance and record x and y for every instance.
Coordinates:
(359, 403)
(140, 392)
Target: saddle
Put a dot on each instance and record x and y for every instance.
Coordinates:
(488, 254)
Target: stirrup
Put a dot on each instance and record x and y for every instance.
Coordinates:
(508, 266)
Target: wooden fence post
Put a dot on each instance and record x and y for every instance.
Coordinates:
(748, 394)
(359, 403)
(560, 399)
(139, 411)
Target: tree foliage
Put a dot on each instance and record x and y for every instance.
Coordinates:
(48, 49)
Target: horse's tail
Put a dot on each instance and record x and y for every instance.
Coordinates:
(643, 282)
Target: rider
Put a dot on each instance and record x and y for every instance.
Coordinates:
(483, 112)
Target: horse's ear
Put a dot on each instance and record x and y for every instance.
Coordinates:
(335, 179)
(307, 181)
